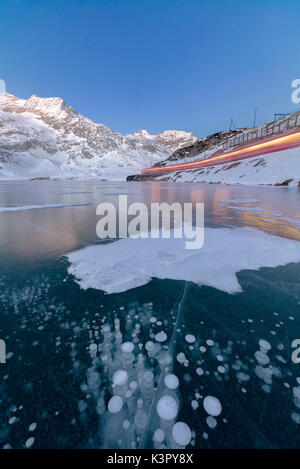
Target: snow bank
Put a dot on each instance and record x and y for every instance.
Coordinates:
(130, 263)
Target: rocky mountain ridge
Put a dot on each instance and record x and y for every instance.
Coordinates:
(45, 137)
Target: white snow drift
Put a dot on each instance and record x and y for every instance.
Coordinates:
(129, 263)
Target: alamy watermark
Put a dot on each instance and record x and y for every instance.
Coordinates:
(162, 221)
(296, 353)
(296, 93)
(2, 86)
(2, 351)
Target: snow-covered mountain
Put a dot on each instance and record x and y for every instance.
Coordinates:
(45, 137)
(172, 139)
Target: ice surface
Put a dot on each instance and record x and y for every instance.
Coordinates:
(132, 262)
(36, 207)
(239, 201)
(136, 423)
(248, 209)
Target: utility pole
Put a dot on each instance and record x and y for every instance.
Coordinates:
(232, 125)
(254, 120)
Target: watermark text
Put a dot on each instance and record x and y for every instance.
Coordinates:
(163, 221)
(296, 353)
(296, 93)
(2, 351)
(2, 86)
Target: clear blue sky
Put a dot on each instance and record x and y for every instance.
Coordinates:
(155, 64)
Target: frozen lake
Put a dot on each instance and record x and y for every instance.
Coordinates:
(217, 361)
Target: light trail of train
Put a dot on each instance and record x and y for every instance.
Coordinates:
(276, 144)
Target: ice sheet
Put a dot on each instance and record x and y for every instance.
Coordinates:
(129, 263)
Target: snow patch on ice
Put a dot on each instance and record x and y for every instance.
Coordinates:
(37, 207)
(130, 263)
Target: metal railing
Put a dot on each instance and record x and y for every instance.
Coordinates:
(273, 128)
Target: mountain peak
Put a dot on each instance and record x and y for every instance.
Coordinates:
(177, 133)
(6, 98)
(143, 133)
(54, 106)
(172, 139)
